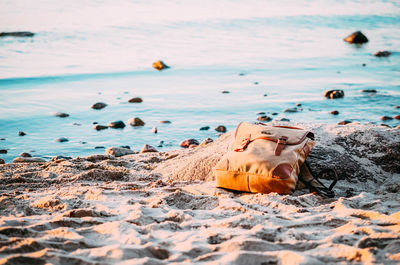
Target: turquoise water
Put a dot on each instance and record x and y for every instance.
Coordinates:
(90, 51)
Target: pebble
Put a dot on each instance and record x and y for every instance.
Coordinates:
(116, 124)
(17, 34)
(242, 74)
(136, 122)
(165, 121)
(61, 139)
(2, 139)
(274, 113)
(3, 151)
(54, 158)
(99, 127)
(397, 117)
(397, 107)
(154, 130)
(99, 147)
(221, 128)
(344, 122)
(334, 112)
(291, 110)
(125, 146)
(21, 133)
(336, 93)
(135, 100)
(382, 54)
(261, 113)
(95, 122)
(386, 118)
(364, 64)
(24, 154)
(264, 118)
(205, 128)
(357, 38)
(206, 142)
(284, 119)
(225, 92)
(298, 104)
(256, 83)
(369, 91)
(76, 124)
(118, 151)
(188, 142)
(61, 114)
(148, 149)
(160, 65)
(28, 160)
(2, 161)
(99, 105)
(265, 95)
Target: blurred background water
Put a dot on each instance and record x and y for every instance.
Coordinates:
(88, 51)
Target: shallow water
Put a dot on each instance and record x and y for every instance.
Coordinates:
(90, 51)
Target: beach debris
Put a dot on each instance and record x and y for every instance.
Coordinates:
(2, 161)
(369, 91)
(148, 149)
(61, 139)
(397, 117)
(116, 124)
(61, 114)
(25, 154)
(357, 38)
(264, 118)
(165, 122)
(154, 130)
(225, 92)
(99, 127)
(135, 100)
(344, 122)
(21, 133)
(382, 54)
(221, 128)
(188, 142)
(386, 118)
(206, 142)
(28, 160)
(136, 122)
(3, 151)
(334, 112)
(160, 65)
(335, 93)
(291, 110)
(204, 128)
(118, 151)
(17, 34)
(99, 105)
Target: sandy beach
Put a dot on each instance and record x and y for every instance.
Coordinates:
(164, 208)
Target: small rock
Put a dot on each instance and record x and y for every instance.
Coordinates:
(225, 92)
(24, 154)
(386, 118)
(385, 125)
(135, 100)
(397, 117)
(3, 151)
(160, 65)
(344, 122)
(205, 128)
(242, 74)
(28, 160)
(364, 64)
(83, 142)
(256, 83)
(334, 112)
(148, 149)
(21, 133)
(61, 139)
(369, 91)
(61, 114)
(165, 121)
(118, 151)
(382, 54)
(76, 124)
(154, 130)
(265, 95)
(95, 122)
(116, 124)
(17, 34)
(99, 105)
(136, 122)
(2, 139)
(298, 104)
(2, 161)
(291, 110)
(160, 143)
(336, 93)
(284, 119)
(357, 38)
(188, 142)
(54, 158)
(99, 127)
(221, 128)
(397, 107)
(261, 113)
(125, 146)
(206, 142)
(99, 147)
(264, 118)
(274, 113)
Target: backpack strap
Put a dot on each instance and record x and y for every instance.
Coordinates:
(309, 179)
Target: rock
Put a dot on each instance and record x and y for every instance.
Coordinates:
(99, 127)
(28, 160)
(135, 100)
(242, 74)
(356, 38)
(298, 104)
(206, 142)
(382, 54)
(136, 122)
(261, 113)
(291, 110)
(344, 122)
(2, 161)
(334, 112)
(205, 128)
(17, 34)
(125, 146)
(397, 117)
(21, 133)
(160, 65)
(116, 124)
(284, 119)
(274, 113)
(165, 122)
(256, 83)
(24, 154)
(99, 105)
(54, 158)
(154, 130)
(148, 149)
(2, 139)
(264, 118)
(76, 124)
(225, 92)
(397, 107)
(265, 95)
(61, 139)
(3, 151)
(99, 147)
(336, 93)
(95, 122)
(61, 114)
(188, 142)
(221, 128)
(118, 151)
(386, 118)
(368, 90)
(364, 64)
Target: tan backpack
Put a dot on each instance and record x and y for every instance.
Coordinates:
(264, 158)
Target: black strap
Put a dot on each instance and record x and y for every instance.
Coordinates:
(317, 186)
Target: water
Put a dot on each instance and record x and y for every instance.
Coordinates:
(90, 51)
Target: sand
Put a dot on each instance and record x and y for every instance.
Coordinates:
(164, 208)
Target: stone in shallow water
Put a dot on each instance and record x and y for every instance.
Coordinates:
(148, 148)
(24, 154)
(99, 105)
(264, 118)
(382, 54)
(334, 112)
(205, 128)
(291, 110)
(118, 151)
(2, 161)
(135, 100)
(61, 114)
(28, 160)
(160, 65)
(188, 142)
(136, 122)
(62, 139)
(3, 151)
(357, 38)
(335, 93)
(165, 122)
(21, 133)
(344, 122)
(99, 127)
(386, 118)
(369, 91)
(17, 34)
(116, 124)
(221, 128)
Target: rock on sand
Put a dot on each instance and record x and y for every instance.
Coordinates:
(148, 149)
(118, 151)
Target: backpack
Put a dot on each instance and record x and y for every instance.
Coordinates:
(264, 159)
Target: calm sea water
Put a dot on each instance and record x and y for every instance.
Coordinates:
(88, 51)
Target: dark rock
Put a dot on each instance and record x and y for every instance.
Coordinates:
(205, 128)
(61, 139)
(364, 64)
(95, 122)
(21, 133)
(24, 154)
(344, 122)
(242, 74)
(188, 142)
(385, 125)
(274, 113)
(160, 65)
(135, 100)
(261, 113)
(54, 158)
(154, 130)
(99, 147)
(369, 91)
(206, 141)
(397, 117)
(284, 119)
(28, 160)
(265, 95)
(99, 105)
(386, 118)
(76, 124)
(334, 112)
(83, 142)
(116, 124)
(148, 149)
(165, 122)
(397, 107)
(2, 139)
(357, 38)
(264, 118)
(3, 151)
(256, 83)
(125, 146)
(225, 92)
(2, 161)
(336, 93)
(221, 128)
(298, 104)
(136, 122)
(291, 110)
(61, 114)
(17, 34)
(382, 54)
(99, 127)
